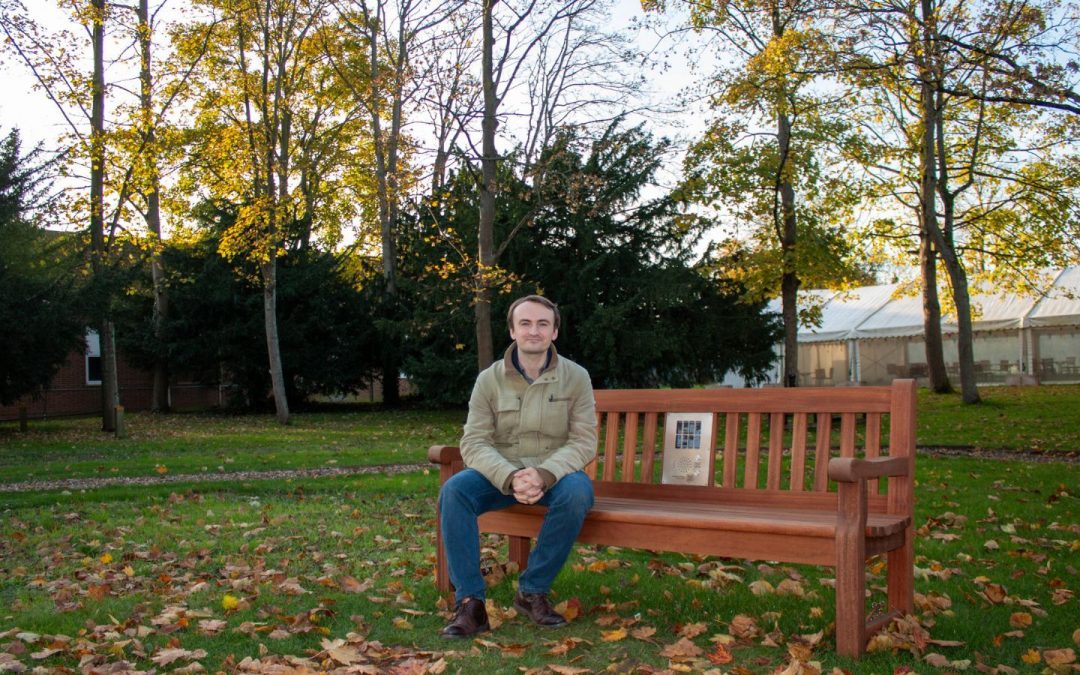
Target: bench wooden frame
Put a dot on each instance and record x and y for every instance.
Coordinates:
(835, 514)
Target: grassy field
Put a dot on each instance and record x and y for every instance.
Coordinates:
(335, 573)
(208, 443)
(1040, 419)
(1043, 419)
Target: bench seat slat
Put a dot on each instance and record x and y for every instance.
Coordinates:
(726, 517)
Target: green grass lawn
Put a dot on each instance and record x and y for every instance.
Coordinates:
(1045, 419)
(337, 571)
(208, 443)
(1041, 419)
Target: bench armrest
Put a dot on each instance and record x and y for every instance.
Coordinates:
(850, 470)
(443, 454)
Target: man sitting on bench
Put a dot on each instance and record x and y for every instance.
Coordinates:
(531, 430)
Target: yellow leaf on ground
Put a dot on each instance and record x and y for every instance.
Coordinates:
(613, 635)
(1031, 657)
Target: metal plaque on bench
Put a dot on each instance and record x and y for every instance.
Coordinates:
(688, 439)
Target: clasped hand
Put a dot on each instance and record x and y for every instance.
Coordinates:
(528, 486)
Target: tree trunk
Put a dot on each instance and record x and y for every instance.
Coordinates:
(110, 389)
(935, 355)
(388, 184)
(159, 401)
(485, 347)
(273, 343)
(961, 298)
(276, 126)
(943, 240)
(789, 281)
(935, 352)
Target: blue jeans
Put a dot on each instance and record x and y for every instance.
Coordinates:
(468, 494)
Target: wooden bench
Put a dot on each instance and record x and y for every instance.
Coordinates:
(830, 494)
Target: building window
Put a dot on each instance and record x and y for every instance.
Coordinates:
(93, 357)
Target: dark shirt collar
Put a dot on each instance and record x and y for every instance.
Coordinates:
(513, 353)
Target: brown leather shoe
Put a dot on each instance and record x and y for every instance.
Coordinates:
(470, 618)
(538, 609)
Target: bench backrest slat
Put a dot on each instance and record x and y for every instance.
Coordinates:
(731, 449)
(798, 452)
(648, 450)
(821, 452)
(630, 447)
(799, 429)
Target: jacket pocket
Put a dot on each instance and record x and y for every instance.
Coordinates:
(556, 415)
(508, 418)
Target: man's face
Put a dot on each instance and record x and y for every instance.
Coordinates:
(533, 328)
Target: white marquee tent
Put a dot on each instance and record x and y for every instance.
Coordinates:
(871, 335)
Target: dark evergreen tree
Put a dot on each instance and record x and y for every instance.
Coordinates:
(40, 321)
(215, 333)
(637, 311)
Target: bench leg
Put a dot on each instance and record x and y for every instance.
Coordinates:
(851, 570)
(519, 552)
(901, 576)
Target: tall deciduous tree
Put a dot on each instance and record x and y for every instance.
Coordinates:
(393, 36)
(971, 148)
(519, 40)
(276, 135)
(763, 159)
(58, 70)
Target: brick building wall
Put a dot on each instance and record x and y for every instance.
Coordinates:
(70, 394)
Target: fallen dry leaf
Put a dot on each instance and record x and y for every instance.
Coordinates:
(743, 626)
(613, 635)
(1031, 657)
(166, 656)
(643, 633)
(353, 585)
(570, 609)
(1020, 619)
(514, 650)
(1059, 657)
(212, 626)
(683, 649)
(720, 655)
(761, 587)
(791, 587)
(995, 593)
(692, 630)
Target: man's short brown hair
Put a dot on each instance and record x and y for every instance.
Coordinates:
(539, 299)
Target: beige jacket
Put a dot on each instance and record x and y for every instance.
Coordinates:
(549, 424)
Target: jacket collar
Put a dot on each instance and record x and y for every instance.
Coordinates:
(511, 363)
